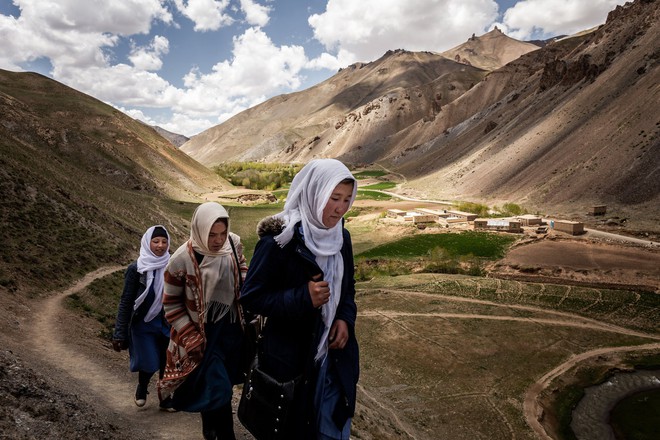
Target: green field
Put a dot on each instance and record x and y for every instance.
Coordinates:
(368, 174)
(480, 244)
(380, 186)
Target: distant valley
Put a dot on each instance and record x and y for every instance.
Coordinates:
(556, 129)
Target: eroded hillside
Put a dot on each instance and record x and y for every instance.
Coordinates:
(80, 182)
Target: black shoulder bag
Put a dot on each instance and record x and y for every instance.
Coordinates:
(265, 405)
(252, 325)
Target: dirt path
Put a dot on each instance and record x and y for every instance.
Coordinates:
(532, 411)
(98, 379)
(570, 319)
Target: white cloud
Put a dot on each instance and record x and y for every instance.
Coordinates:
(208, 15)
(149, 58)
(369, 28)
(120, 84)
(343, 59)
(255, 14)
(181, 123)
(73, 32)
(257, 69)
(124, 17)
(530, 19)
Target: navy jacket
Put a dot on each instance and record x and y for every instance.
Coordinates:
(134, 285)
(276, 287)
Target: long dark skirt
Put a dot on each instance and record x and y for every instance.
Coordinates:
(209, 386)
(148, 344)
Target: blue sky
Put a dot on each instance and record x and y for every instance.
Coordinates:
(187, 65)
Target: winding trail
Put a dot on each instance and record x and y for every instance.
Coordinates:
(532, 410)
(97, 379)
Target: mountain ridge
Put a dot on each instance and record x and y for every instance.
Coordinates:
(509, 134)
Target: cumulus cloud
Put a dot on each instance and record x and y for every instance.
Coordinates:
(73, 32)
(257, 69)
(126, 17)
(365, 30)
(149, 58)
(255, 14)
(530, 19)
(208, 15)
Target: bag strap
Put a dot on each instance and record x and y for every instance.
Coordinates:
(238, 262)
(241, 313)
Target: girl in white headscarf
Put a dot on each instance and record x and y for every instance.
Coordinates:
(140, 325)
(204, 358)
(301, 279)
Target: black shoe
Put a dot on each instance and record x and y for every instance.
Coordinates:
(167, 405)
(208, 428)
(141, 395)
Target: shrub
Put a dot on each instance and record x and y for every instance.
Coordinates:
(256, 175)
(511, 209)
(475, 208)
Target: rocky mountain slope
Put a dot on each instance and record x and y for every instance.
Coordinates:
(80, 182)
(556, 129)
(176, 139)
(490, 51)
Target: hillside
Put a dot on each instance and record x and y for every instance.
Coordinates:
(360, 103)
(569, 125)
(80, 182)
(490, 51)
(556, 129)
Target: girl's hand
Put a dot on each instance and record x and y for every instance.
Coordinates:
(319, 291)
(338, 334)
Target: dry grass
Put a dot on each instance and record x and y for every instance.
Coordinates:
(451, 356)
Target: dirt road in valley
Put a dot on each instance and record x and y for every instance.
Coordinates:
(99, 375)
(532, 410)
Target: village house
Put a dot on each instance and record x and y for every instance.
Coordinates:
(395, 213)
(461, 216)
(498, 224)
(530, 220)
(568, 226)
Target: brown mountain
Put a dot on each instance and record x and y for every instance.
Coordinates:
(80, 182)
(556, 129)
(361, 103)
(176, 139)
(569, 125)
(490, 51)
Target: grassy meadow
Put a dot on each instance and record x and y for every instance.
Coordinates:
(449, 355)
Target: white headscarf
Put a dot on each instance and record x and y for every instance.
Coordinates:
(309, 193)
(217, 268)
(154, 267)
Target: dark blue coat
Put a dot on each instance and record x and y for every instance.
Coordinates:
(134, 285)
(276, 287)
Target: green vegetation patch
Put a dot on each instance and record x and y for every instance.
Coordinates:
(474, 208)
(257, 175)
(371, 195)
(479, 244)
(244, 221)
(380, 186)
(367, 174)
(100, 301)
